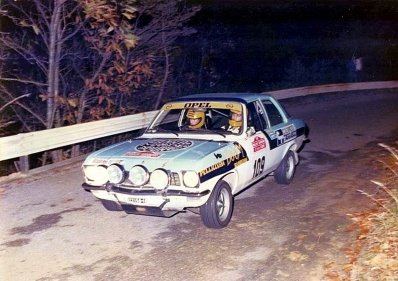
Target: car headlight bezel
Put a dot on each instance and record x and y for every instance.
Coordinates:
(190, 179)
(159, 179)
(116, 174)
(140, 170)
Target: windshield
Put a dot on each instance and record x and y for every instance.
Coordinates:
(199, 117)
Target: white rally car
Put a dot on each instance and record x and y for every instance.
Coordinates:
(197, 154)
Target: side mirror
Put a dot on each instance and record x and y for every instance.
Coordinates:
(250, 131)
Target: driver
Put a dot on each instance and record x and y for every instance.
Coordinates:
(235, 121)
(196, 119)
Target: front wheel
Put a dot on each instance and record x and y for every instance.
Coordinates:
(217, 211)
(285, 171)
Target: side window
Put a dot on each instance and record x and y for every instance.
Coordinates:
(274, 115)
(256, 116)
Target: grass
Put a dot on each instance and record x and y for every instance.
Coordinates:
(374, 254)
(380, 252)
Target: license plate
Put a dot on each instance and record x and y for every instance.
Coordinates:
(137, 200)
(150, 201)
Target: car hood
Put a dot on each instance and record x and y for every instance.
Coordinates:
(156, 153)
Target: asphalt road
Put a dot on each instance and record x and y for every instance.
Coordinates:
(50, 229)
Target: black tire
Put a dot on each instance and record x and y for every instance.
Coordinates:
(285, 171)
(217, 211)
(111, 205)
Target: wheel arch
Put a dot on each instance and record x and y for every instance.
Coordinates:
(293, 148)
(232, 179)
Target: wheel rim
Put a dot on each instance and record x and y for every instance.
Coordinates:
(223, 204)
(289, 167)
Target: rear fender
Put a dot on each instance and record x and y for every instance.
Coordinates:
(293, 148)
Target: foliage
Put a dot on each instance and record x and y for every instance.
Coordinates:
(74, 61)
(110, 71)
(374, 254)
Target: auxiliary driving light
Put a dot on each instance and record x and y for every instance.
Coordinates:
(138, 175)
(159, 179)
(115, 174)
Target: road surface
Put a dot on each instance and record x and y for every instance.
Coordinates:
(50, 229)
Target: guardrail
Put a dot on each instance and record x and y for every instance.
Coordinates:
(33, 142)
(331, 88)
(22, 145)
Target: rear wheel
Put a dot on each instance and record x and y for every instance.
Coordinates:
(217, 211)
(285, 171)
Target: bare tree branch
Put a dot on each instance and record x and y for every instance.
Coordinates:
(25, 53)
(23, 81)
(14, 100)
(31, 111)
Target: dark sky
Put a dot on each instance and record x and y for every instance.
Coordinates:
(280, 10)
(314, 40)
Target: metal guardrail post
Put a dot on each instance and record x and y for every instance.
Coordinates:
(24, 164)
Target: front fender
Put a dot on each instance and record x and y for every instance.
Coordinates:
(230, 177)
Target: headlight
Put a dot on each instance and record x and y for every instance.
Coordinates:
(138, 175)
(115, 174)
(159, 179)
(97, 174)
(190, 178)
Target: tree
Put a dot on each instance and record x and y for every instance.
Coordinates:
(73, 61)
(159, 24)
(105, 47)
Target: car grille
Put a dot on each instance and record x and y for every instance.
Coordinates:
(175, 179)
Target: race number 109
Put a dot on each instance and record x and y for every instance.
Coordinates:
(258, 166)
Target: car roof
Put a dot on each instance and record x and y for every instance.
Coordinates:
(238, 97)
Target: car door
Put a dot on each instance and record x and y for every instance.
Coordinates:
(257, 141)
(278, 130)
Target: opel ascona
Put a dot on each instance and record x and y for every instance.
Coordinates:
(198, 152)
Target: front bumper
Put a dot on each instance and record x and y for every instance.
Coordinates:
(149, 202)
(167, 192)
(147, 211)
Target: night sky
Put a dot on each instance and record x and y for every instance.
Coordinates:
(313, 41)
(304, 10)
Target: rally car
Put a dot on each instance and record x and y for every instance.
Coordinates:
(198, 152)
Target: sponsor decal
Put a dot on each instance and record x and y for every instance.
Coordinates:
(212, 168)
(240, 162)
(150, 154)
(234, 160)
(258, 143)
(286, 134)
(164, 145)
(99, 161)
(202, 104)
(217, 155)
(197, 104)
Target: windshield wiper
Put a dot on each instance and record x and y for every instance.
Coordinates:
(205, 131)
(218, 132)
(164, 130)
